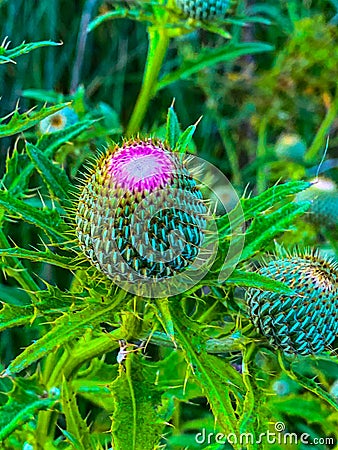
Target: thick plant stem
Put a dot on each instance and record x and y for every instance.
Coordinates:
(158, 45)
(65, 366)
(231, 152)
(50, 374)
(95, 348)
(249, 399)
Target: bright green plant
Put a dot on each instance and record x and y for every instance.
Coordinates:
(74, 334)
(164, 24)
(93, 358)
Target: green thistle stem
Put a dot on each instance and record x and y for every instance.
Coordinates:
(70, 361)
(231, 152)
(321, 136)
(158, 45)
(208, 312)
(65, 366)
(95, 348)
(261, 153)
(52, 371)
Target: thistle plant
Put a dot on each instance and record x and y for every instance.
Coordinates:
(58, 121)
(204, 9)
(140, 213)
(290, 147)
(122, 287)
(306, 321)
(323, 196)
(107, 210)
(164, 26)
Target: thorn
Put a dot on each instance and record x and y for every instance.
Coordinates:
(41, 198)
(198, 121)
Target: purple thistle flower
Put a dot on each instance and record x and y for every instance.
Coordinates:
(141, 167)
(140, 214)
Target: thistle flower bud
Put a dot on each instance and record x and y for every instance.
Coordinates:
(204, 9)
(140, 214)
(305, 322)
(290, 147)
(323, 195)
(58, 121)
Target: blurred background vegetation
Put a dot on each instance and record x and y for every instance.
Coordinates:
(252, 99)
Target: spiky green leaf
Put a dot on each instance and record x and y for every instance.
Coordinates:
(137, 422)
(185, 139)
(8, 55)
(173, 128)
(266, 227)
(20, 168)
(251, 279)
(21, 122)
(253, 207)
(47, 220)
(66, 328)
(211, 56)
(25, 400)
(45, 256)
(53, 176)
(14, 316)
(76, 425)
(218, 380)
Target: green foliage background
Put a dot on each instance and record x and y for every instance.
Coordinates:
(193, 362)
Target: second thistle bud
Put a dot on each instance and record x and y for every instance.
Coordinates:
(58, 121)
(290, 147)
(323, 195)
(303, 323)
(204, 9)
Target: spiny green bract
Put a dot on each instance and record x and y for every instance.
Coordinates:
(204, 9)
(140, 214)
(306, 322)
(323, 195)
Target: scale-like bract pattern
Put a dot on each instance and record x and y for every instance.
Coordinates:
(306, 322)
(204, 9)
(140, 213)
